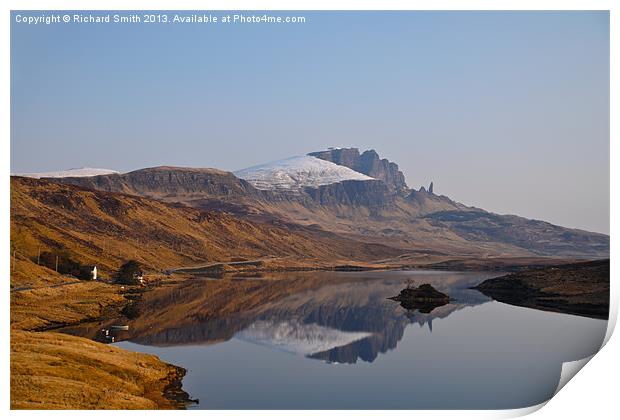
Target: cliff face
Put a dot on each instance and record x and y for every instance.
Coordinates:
(371, 194)
(368, 163)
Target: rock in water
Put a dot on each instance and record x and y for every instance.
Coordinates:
(425, 298)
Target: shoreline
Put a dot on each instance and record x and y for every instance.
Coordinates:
(577, 289)
(173, 391)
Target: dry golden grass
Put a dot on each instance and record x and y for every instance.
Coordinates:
(42, 307)
(58, 371)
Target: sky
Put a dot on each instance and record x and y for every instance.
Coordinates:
(507, 111)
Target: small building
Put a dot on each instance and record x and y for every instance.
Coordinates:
(89, 272)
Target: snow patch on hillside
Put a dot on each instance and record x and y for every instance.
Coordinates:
(76, 172)
(297, 172)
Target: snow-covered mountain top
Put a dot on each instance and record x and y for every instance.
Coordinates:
(76, 172)
(297, 172)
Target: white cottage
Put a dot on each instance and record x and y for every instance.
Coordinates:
(91, 270)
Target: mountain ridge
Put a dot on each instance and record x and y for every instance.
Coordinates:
(381, 210)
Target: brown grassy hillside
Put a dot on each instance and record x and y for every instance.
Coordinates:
(106, 229)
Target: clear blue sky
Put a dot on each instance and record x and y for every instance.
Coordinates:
(508, 111)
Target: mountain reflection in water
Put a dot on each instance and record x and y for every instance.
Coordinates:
(335, 317)
(302, 340)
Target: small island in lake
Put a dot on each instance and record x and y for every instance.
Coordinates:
(425, 298)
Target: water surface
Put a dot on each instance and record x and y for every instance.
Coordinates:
(325, 340)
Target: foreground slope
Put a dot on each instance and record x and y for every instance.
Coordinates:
(59, 371)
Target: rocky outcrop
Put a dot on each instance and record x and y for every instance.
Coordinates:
(369, 163)
(430, 188)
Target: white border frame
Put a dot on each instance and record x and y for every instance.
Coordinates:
(591, 395)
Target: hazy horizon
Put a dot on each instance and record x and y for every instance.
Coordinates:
(507, 111)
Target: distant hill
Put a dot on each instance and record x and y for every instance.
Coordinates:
(360, 196)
